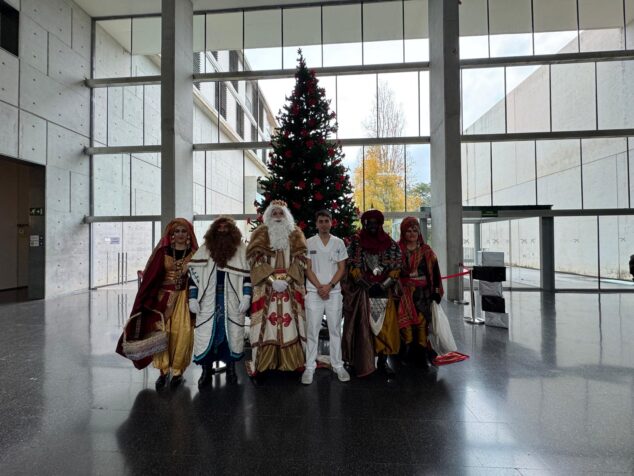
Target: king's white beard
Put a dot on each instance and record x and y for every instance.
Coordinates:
(278, 233)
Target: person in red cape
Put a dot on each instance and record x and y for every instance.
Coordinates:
(370, 311)
(420, 284)
(163, 291)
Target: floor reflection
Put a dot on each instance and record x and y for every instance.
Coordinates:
(553, 394)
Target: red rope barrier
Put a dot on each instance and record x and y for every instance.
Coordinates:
(455, 275)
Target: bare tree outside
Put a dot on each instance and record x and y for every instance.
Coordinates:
(381, 174)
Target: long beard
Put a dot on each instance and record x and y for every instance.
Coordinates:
(222, 248)
(278, 234)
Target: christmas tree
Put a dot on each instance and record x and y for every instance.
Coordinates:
(305, 166)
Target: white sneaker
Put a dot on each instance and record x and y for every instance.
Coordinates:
(307, 376)
(342, 374)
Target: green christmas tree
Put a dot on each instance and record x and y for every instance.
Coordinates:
(305, 166)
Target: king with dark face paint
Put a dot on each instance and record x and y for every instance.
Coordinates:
(370, 325)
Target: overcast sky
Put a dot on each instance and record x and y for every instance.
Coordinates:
(352, 96)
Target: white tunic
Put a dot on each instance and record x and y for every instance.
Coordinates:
(324, 260)
(203, 271)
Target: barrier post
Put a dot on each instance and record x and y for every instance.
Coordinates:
(461, 287)
(473, 319)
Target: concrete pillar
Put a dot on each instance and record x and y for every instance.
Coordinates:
(547, 253)
(446, 181)
(177, 109)
(477, 244)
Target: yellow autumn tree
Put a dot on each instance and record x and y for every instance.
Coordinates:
(380, 173)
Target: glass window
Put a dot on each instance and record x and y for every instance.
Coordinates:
(416, 30)
(629, 23)
(528, 99)
(513, 169)
(601, 24)
(423, 96)
(615, 91)
(146, 46)
(555, 23)
(111, 184)
(615, 247)
(559, 173)
(474, 29)
(418, 176)
(384, 177)
(357, 106)
(605, 180)
(510, 27)
(524, 254)
(113, 44)
(342, 35)
(476, 172)
(483, 100)
(146, 184)
(128, 47)
(224, 31)
(474, 18)
(226, 186)
(128, 115)
(576, 253)
(119, 251)
(574, 99)
(302, 29)
(383, 32)
(199, 174)
(474, 47)
(198, 35)
(398, 104)
(263, 39)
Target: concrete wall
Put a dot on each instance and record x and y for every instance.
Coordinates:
(45, 119)
(557, 172)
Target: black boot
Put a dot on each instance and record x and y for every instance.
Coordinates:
(205, 377)
(176, 381)
(385, 366)
(232, 376)
(161, 382)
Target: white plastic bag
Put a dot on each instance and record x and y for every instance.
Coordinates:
(441, 338)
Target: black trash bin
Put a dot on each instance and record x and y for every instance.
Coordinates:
(632, 266)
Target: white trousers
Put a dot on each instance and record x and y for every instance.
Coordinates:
(316, 307)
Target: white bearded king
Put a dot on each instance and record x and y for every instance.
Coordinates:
(276, 255)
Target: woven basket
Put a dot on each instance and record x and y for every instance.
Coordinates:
(153, 343)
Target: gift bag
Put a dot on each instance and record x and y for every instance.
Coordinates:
(441, 338)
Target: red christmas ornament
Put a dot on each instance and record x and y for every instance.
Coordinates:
(312, 102)
(302, 225)
(297, 206)
(288, 153)
(331, 152)
(312, 122)
(309, 143)
(301, 185)
(303, 133)
(317, 181)
(286, 133)
(288, 185)
(338, 185)
(318, 166)
(319, 196)
(334, 222)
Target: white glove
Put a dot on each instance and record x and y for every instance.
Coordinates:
(245, 304)
(280, 285)
(194, 306)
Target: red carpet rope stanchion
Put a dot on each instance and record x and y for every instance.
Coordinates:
(468, 271)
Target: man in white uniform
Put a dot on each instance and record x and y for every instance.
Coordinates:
(326, 266)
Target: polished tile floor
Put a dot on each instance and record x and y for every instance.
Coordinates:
(554, 394)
